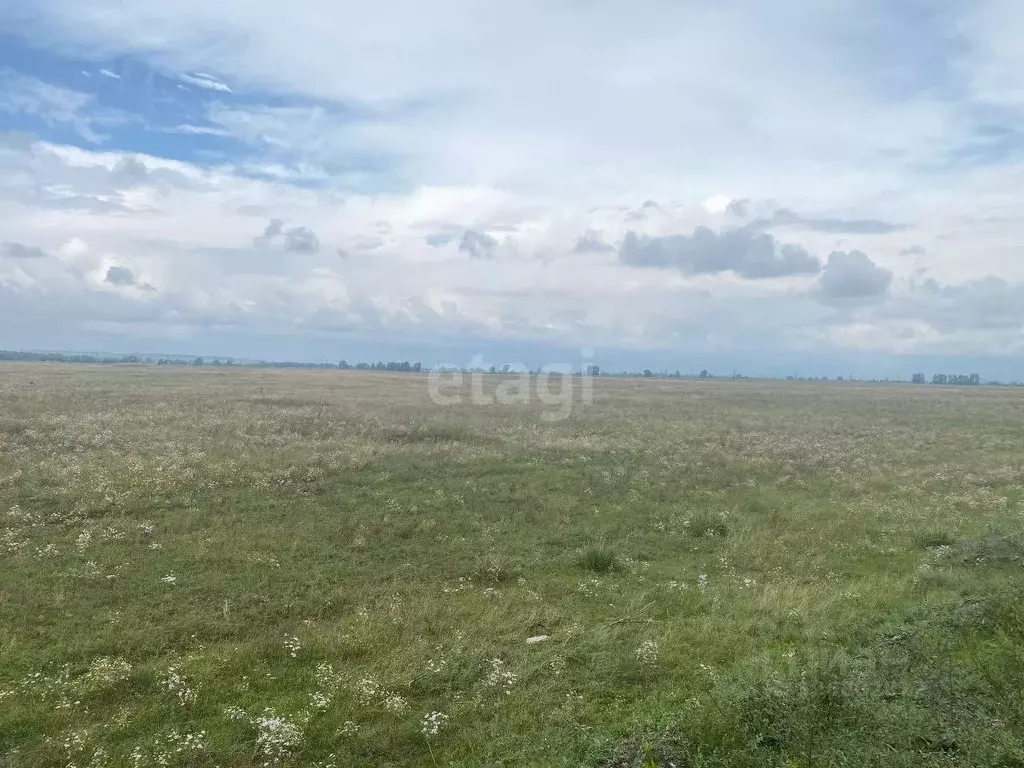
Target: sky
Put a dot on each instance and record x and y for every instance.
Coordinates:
(816, 187)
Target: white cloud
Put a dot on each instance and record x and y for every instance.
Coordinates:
(206, 82)
(559, 147)
(24, 95)
(717, 204)
(198, 130)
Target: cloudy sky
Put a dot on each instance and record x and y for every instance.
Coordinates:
(807, 185)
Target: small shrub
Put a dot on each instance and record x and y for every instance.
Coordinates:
(599, 560)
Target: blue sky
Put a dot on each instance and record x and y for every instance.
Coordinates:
(811, 187)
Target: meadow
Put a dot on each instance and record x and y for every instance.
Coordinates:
(248, 567)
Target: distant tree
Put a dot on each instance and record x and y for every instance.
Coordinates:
(648, 374)
(958, 379)
(704, 374)
(197, 361)
(917, 378)
(592, 370)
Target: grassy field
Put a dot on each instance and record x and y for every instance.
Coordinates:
(276, 568)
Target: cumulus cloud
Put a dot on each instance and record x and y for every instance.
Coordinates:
(478, 245)
(295, 239)
(130, 171)
(118, 275)
(19, 251)
(738, 208)
(591, 242)
(272, 231)
(747, 253)
(853, 275)
(987, 304)
(301, 240)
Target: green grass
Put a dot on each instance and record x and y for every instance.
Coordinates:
(929, 539)
(728, 573)
(599, 560)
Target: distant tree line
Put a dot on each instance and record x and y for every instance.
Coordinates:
(405, 366)
(60, 357)
(960, 379)
(188, 360)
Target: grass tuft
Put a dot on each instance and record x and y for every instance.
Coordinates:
(599, 560)
(708, 524)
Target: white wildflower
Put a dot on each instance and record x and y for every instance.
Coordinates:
(278, 738)
(105, 671)
(235, 713)
(395, 704)
(348, 728)
(647, 653)
(432, 722)
(320, 699)
(366, 689)
(83, 540)
(176, 683)
(437, 666)
(500, 677)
